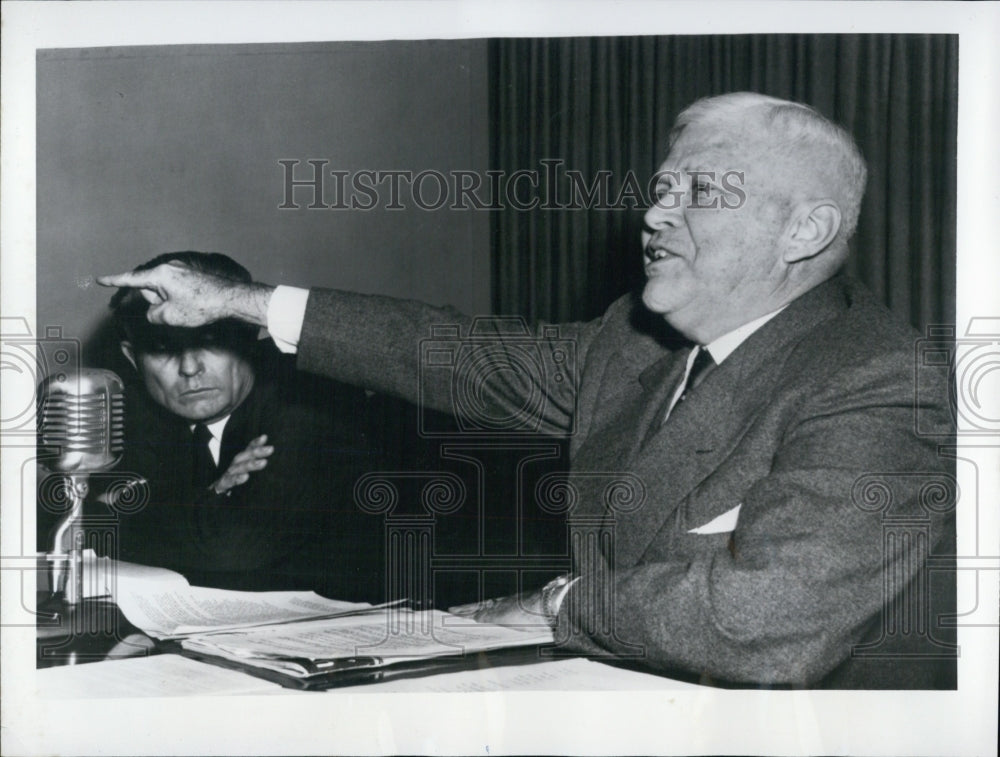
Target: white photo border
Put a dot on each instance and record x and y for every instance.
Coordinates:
(708, 721)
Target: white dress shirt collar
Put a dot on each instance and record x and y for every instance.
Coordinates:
(726, 344)
(215, 429)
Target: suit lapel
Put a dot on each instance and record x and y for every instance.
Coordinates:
(238, 430)
(659, 383)
(703, 431)
(626, 409)
(697, 439)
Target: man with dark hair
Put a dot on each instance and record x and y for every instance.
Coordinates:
(731, 444)
(250, 468)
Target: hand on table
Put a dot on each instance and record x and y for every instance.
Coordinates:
(513, 610)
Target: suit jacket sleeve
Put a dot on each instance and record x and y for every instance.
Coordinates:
(403, 348)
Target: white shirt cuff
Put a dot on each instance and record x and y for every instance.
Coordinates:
(561, 595)
(285, 312)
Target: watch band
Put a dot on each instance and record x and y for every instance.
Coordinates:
(553, 594)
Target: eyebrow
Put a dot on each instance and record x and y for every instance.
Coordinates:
(668, 175)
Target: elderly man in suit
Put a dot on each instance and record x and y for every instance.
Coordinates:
(745, 401)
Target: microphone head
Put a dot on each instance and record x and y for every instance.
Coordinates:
(81, 421)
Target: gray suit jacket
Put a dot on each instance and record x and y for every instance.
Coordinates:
(808, 427)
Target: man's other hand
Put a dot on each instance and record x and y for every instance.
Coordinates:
(181, 296)
(253, 459)
(513, 610)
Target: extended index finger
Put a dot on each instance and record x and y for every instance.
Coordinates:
(127, 279)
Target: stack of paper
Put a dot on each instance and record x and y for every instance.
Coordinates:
(163, 605)
(371, 640)
(300, 638)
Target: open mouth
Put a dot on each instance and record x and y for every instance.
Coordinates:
(654, 254)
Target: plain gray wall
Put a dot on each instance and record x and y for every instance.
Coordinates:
(144, 150)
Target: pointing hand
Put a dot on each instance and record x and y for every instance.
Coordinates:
(182, 296)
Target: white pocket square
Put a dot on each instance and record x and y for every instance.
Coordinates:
(721, 525)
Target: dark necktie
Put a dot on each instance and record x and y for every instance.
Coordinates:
(203, 470)
(703, 362)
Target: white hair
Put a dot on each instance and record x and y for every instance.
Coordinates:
(792, 131)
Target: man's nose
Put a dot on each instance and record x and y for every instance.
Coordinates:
(666, 211)
(191, 362)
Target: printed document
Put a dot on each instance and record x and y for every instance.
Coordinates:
(165, 606)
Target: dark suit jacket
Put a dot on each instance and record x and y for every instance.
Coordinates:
(293, 525)
(804, 427)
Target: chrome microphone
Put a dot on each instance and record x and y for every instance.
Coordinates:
(81, 421)
(81, 430)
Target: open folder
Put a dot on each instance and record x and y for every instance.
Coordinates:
(303, 640)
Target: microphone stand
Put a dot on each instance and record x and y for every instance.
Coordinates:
(66, 555)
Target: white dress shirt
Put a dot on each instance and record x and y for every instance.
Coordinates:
(215, 443)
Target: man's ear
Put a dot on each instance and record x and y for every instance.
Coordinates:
(128, 352)
(813, 227)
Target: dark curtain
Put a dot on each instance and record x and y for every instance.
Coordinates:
(607, 104)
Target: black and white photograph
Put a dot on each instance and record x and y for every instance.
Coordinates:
(456, 378)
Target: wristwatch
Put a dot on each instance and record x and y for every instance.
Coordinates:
(553, 594)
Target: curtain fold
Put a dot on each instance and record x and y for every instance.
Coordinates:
(603, 106)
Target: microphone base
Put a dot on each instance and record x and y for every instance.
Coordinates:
(72, 634)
